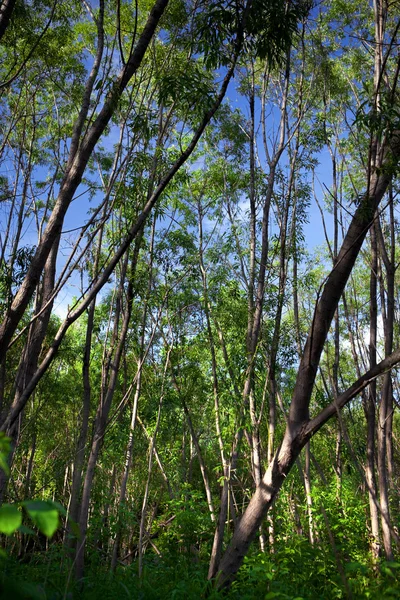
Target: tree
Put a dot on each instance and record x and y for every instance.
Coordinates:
(383, 158)
(206, 343)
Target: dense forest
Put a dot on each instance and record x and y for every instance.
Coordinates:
(199, 299)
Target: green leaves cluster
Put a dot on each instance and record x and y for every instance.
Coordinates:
(265, 29)
(44, 514)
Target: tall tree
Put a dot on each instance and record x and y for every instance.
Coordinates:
(384, 150)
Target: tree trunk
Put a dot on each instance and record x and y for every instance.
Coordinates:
(6, 10)
(109, 382)
(298, 420)
(139, 373)
(73, 177)
(149, 470)
(73, 513)
(31, 351)
(370, 403)
(128, 464)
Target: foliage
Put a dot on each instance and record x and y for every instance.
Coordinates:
(142, 386)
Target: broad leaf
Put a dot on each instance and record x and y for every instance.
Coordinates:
(44, 515)
(10, 518)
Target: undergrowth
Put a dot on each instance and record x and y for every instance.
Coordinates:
(297, 571)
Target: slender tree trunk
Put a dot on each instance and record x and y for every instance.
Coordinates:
(256, 292)
(307, 487)
(158, 459)
(128, 463)
(31, 351)
(150, 467)
(103, 541)
(139, 373)
(223, 511)
(202, 464)
(109, 382)
(73, 513)
(383, 416)
(196, 444)
(387, 292)
(227, 500)
(74, 508)
(29, 468)
(370, 403)
(252, 338)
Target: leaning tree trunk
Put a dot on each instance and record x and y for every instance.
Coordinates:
(80, 154)
(298, 429)
(32, 349)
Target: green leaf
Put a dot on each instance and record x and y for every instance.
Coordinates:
(10, 518)
(26, 530)
(393, 565)
(44, 515)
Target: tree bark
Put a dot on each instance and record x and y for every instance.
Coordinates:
(370, 403)
(299, 426)
(6, 10)
(385, 410)
(31, 351)
(110, 376)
